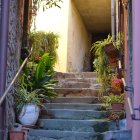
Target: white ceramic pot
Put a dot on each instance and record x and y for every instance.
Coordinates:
(29, 114)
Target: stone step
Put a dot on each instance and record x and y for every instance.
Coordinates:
(60, 75)
(68, 92)
(60, 135)
(86, 99)
(78, 83)
(80, 106)
(73, 84)
(101, 125)
(85, 80)
(116, 135)
(73, 114)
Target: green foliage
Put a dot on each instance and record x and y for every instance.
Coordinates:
(43, 42)
(114, 98)
(36, 82)
(45, 64)
(101, 64)
(40, 76)
(23, 97)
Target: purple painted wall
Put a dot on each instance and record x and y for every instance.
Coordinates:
(136, 64)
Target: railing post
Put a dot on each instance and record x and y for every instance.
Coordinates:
(3, 58)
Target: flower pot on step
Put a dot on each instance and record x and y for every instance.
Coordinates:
(17, 135)
(117, 106)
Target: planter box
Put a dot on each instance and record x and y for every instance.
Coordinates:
(17, 135)
(117, 106)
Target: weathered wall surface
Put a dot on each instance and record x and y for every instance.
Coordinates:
(79, 42)
(13, 54)
(0, 11)
(56, 20)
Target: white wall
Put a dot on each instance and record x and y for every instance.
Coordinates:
(79, 42)
(56, 20)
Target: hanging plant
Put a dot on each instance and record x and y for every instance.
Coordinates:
(103, 65)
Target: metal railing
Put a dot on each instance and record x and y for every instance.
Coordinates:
(15, 77)
(131, 108)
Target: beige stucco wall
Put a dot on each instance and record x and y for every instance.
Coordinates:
(56, 20)
(79, 42)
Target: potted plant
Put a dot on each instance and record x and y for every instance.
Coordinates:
(27, 104)
(35, 86)
(116, 101)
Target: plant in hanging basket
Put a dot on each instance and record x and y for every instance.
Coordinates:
(111, 51)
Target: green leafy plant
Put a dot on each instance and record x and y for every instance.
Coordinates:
(23, 97)
(43, 42)
(114, 98)
(102, 66)
(40, 77)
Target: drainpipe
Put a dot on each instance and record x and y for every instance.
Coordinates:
(112, 20)
(136, 65)
(117, 17)
(3, 59)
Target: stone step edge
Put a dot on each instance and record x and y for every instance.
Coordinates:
(59, 133)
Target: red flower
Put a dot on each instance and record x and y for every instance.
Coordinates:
(37, 58)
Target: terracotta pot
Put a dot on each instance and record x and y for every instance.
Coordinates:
(117, 106)
(17, 135)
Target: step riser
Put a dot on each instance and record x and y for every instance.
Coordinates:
(116, 135)
(60, 75)
(62, 138)
(75, 106)
(73, 114)
(59, 135)
(89, 100)
(74, 85)
(65, 92)
(81, 126)
(77, 83)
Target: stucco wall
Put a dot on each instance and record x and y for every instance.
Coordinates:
(79, 42)
(13, 55)
(56, 20)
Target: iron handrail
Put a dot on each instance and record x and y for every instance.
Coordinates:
(15, 77)
(131, 108)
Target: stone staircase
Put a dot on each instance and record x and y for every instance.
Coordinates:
(77, 114)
